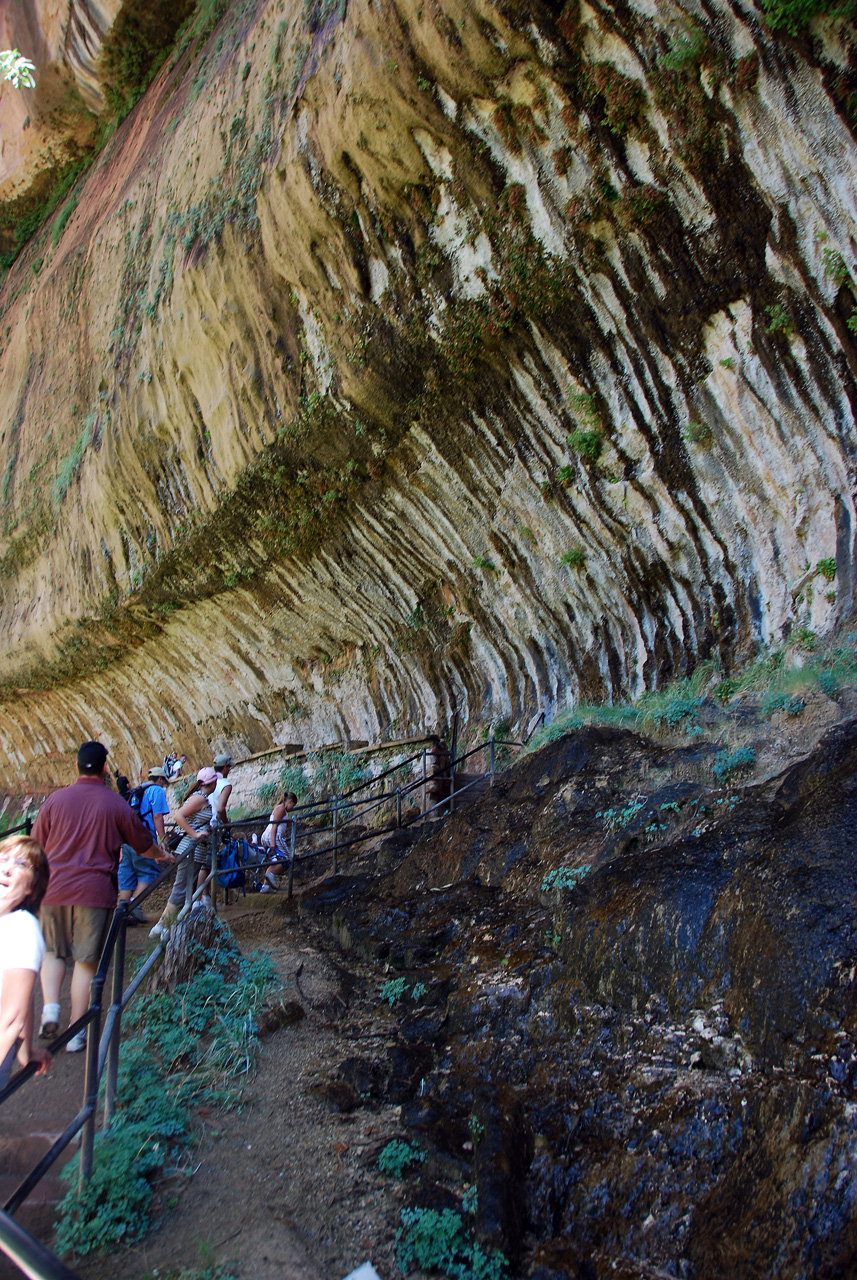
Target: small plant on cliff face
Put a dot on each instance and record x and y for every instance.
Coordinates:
(565, 877)
(697, 433)
(792, 15)
(480, 562)
(397, 1157)
(393, 990)
(573, 559)
(618, 819)
(587, 444)
(684, 51)
(779, 320)
(827, 568)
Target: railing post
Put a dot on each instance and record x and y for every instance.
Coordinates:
(116, 1029)
(190, 877)
(213, 889)
(90, 1083)
(492, 761)
(452, 783)
(425, 793)
(398, 806)
(28, 827)
(292, 855)
(335, 833)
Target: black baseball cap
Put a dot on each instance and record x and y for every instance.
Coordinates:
(91, 757)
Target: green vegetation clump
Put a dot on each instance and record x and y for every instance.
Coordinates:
(793, 15)
(587, 444)
(188, 1048)
(729, 763)
(827, 568)
(432, 1240)
(397, 1157)
(575, 558)
(565, 877)
(685, 50)
(393, 990)
(619, 819)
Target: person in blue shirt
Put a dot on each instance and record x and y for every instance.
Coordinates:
(135, 872)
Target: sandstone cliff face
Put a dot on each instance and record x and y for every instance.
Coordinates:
(399, 358)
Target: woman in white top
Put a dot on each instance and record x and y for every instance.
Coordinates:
(276, 839)
(23, 881)
(194, 818)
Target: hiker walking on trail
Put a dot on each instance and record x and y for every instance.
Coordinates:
(223, 790)
(23, 881)
(136, 872)
(176, 768)
(194, 818)
(82, 829)
(275, 838)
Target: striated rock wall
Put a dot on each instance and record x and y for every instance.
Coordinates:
(401, 359)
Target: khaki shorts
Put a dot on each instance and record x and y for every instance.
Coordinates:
(75, 933)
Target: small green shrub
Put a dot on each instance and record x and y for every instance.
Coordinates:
(480, 562)
(397, 1157)
(684, 51)
(792, 15)
(433, 1240)
(587, 444)
(575, 558)
(565, 877)
(618, 819)
(827, 568)
(834, 266)
(779, 320)
(565, 475)
(728, 363)
(780, 701)
(697, 433)
(729, 763)
(393, 989)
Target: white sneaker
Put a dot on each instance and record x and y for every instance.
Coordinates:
(160, 932)
(77, 1043)
(50, 1023)
(267, 887)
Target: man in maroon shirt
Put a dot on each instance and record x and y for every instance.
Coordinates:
(82, 829)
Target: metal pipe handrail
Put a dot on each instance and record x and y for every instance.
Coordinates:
(32, 1258)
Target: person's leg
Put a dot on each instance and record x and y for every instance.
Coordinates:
(81, 978)
(53, 972)
(127, 874)
(89, 928)
(56, 927)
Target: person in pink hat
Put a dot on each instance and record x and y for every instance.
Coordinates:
(194, 818)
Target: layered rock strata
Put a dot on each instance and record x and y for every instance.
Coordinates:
(400, 360)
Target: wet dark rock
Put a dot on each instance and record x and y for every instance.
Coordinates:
(649, 1072)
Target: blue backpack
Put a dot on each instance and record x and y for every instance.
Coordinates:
(232, 860)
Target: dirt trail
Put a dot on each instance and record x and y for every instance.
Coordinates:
(287, 1185)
